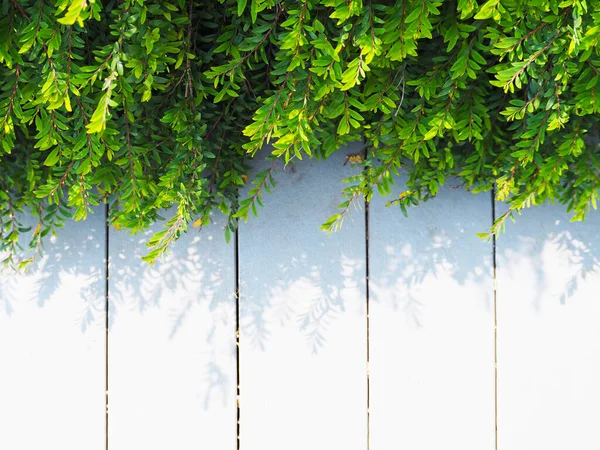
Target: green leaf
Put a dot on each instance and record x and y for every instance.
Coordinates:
(486, 10)
(253, 10)
(52, 158)
(73, 14)
(241, 6)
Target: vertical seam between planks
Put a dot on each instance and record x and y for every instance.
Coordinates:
(106, 303)
(367, 287)
(493, 198)
(237, 331)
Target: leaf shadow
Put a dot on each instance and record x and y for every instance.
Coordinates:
(191, 290)
(431, 254)
(562, 256)
(292, 275)
(71, 267)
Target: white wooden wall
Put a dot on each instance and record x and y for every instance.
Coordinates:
(52, 345)
(407, 357)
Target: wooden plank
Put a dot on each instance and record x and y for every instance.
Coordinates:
(431, 324)
(302, 314)
(549, 331)
(52, 344)
(172, 358)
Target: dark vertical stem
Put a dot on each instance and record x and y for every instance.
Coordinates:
(106, 311)
(237, 330)
(495, 322)
(367, 274)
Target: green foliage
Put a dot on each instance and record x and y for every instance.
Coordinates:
(149, 105)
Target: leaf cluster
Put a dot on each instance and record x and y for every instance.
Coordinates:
(158, 105)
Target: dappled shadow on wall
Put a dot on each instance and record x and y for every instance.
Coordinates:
(303, 296)
(197, 271)
(433, 257)
(72, 269)
(295, 280)
(557, 257)
(179, 311)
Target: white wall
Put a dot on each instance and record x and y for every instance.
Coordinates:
(423, 375)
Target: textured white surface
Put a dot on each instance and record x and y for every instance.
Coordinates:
(172, 357)
(172, 366)
(52, 328)
(549, 332)
(431, 324)
(302, 313)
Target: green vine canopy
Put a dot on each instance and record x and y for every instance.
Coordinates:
(155, 104)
